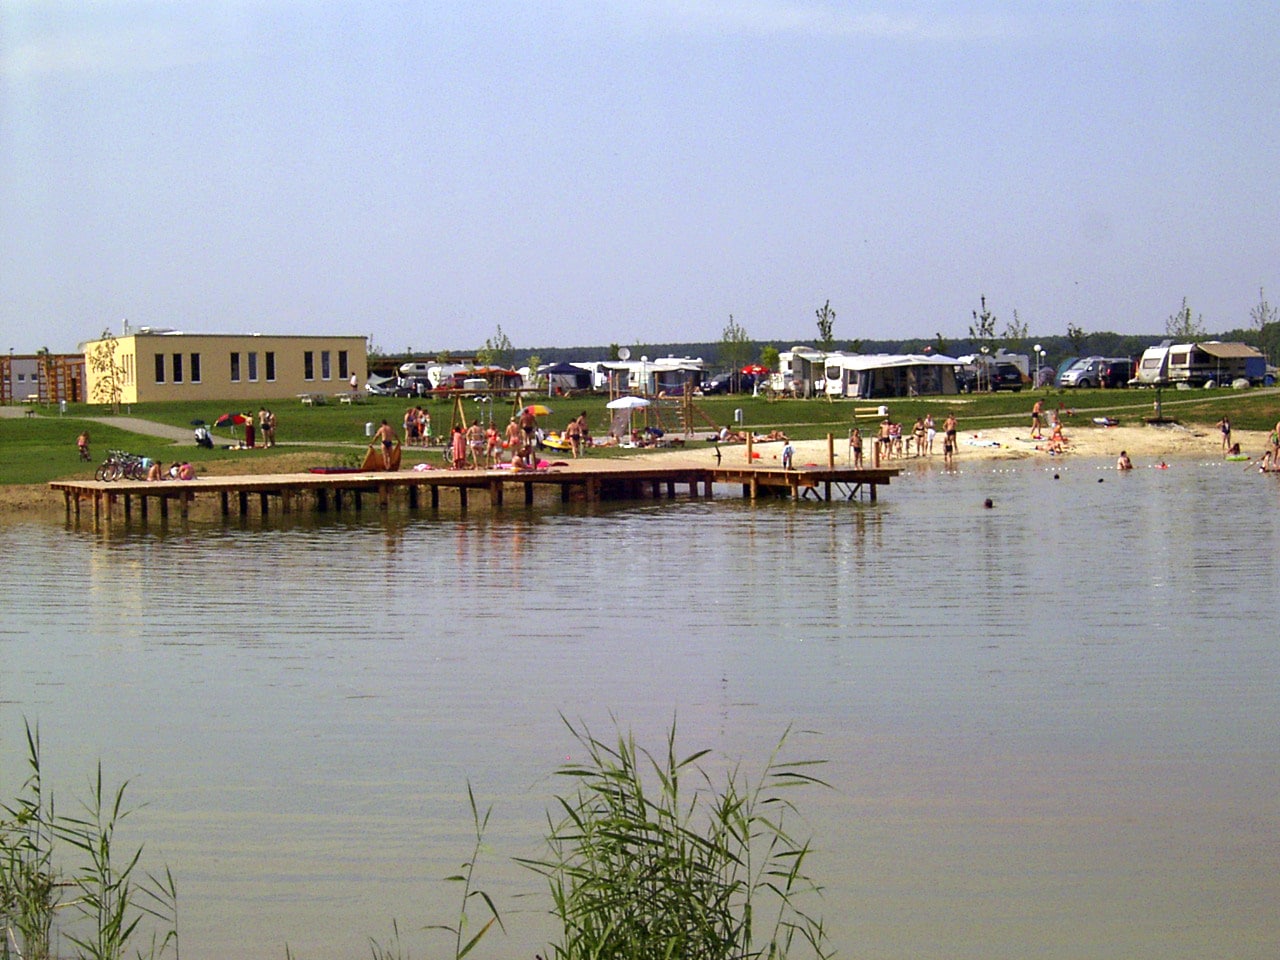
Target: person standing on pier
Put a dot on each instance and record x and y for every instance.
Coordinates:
(387, 437)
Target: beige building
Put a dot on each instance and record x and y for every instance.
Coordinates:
(149, 365)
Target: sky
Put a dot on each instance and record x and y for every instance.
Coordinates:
(586, 172)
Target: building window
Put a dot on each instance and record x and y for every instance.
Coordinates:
(271, 366)
(253, 367)
(195, 368)
(325, 372)
(235, 368)
(159, 368)
(308, 365)
(343, 372)
(177, 368)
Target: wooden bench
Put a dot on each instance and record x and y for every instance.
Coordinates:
(863, 413)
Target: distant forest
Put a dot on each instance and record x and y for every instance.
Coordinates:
(1056, 348)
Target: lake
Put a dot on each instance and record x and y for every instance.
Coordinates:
(1051, 725)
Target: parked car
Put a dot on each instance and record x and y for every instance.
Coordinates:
(1116, 373)
(720, 383)
(1002, 376)
(1089, 372)
(1006, 376)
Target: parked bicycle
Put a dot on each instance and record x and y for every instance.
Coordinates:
(121, 464)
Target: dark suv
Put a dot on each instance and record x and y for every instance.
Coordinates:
(1115, 374)
(1006, 376)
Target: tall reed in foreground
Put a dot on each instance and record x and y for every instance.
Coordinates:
(641, 867)
(104, 901)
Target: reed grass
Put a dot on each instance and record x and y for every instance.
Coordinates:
(98, 904)
(640, 865)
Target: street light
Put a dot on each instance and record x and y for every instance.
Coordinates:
(1039, 364)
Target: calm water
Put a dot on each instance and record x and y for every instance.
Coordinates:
(1052, 725)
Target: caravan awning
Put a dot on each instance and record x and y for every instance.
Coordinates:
(1227, 351)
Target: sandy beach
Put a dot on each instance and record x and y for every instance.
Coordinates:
(1145, 444)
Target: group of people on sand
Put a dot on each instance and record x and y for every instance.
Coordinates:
(892, 442)
(577, 434)
(417, 427)
(726, 435)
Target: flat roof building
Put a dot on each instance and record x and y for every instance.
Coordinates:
(147, 365)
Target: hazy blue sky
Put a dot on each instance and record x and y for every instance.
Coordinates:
(595, 171)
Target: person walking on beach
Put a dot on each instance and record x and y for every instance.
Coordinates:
(930, 431)
(949, 428)
(1037, 427)
(1225, 426)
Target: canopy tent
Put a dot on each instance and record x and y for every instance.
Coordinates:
(565, 376)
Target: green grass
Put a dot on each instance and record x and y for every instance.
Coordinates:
(42, 448)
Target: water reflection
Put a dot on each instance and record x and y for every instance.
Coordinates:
(1028, 708)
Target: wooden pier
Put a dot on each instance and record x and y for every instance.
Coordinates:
(597, 481)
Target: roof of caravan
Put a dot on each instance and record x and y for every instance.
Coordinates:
(876, 361)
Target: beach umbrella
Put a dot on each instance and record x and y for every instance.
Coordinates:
(627, 403)
(755, 369)
(537, 409)
(630, 404)
(230, 420)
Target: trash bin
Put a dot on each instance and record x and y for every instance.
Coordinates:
(62, 407)
(368, 428)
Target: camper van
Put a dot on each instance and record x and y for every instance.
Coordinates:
(1091, 372)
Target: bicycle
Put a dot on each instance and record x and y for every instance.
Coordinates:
(120, 463)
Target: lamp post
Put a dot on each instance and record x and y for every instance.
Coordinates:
(1039, 364)
(983, 370)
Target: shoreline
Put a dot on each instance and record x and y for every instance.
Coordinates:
(1146, 445)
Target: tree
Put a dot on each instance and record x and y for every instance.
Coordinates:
(983, 328)
(496, 351)
(613, 351)
(1181, 326)
(1015, 329)
(1263, 313)
(769, 357)
(735, 348)
(109, 372)
(939, 344)
(826, 320)
(1076, 337)
(535, 378)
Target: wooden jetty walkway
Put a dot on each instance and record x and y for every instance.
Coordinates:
(589, 482)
